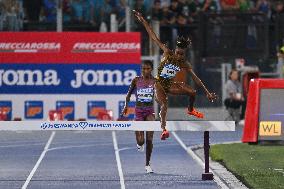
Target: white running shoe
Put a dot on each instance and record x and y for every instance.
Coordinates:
(140, 148)
(149, 169)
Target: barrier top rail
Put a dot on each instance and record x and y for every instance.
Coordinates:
(116, 125)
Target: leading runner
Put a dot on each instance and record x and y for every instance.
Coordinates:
(171, 63)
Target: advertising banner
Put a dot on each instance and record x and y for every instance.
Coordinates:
(51, 67)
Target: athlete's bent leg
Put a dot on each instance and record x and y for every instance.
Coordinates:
(180, 88)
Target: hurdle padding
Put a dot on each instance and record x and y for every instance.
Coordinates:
(203, 126)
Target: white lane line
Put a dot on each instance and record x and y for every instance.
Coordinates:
(39, 160)
(119, 167)
(78, 146)
(199, 161)
(21, 145)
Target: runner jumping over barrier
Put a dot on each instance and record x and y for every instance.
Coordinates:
(171, 63)
(144, 109)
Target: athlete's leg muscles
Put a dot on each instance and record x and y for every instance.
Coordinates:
(149, 141)
(180, 88)
(140, 137)
(162, 99)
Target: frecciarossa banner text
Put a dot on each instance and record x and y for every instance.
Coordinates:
(69, 47)
(68, 63)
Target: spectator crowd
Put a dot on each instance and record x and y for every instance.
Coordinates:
(13, 13)
(91, 12)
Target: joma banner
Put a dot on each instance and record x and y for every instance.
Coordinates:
(68, 63)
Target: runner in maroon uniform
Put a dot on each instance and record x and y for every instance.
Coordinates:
(144, 109)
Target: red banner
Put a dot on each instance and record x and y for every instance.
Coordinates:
(69, 47)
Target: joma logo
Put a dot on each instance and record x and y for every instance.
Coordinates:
(28, 77)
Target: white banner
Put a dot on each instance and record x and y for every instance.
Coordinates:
(116, 125)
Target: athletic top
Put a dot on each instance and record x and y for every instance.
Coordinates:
(144, 92)
(168, 69)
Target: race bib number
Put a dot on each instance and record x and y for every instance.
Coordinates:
(145, 95)
(169, 71)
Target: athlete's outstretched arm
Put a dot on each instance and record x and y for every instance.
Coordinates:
(150, 31)
(127, 99)
(210, 96)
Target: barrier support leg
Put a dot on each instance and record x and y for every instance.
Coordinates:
(206, 175)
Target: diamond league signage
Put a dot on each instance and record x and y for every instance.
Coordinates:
(69, 63)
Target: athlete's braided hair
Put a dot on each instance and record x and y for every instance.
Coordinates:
(183, 42)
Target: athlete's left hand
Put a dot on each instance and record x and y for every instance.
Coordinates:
(211, 97)
(139, 16)
(124, 111)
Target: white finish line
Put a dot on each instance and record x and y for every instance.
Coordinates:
(116, 125)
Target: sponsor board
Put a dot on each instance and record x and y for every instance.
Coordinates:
(55, 67)
(66, 79)
(94, 107)
(70, 47)
(6, 108)
(85, 125)
(270, 128)
(67, 108)
(117, 125)
(33, 109)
